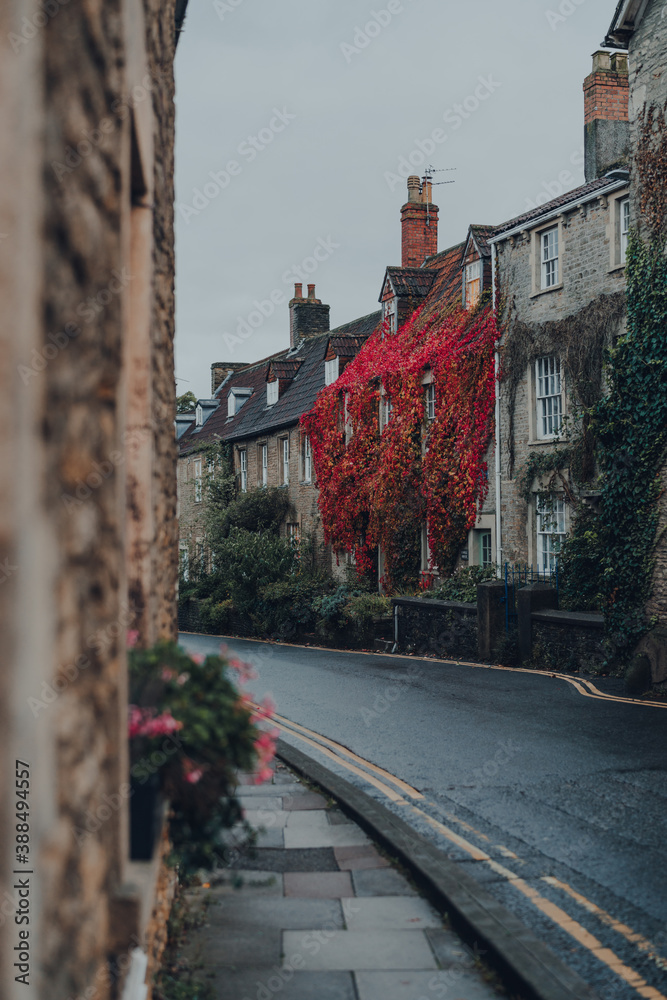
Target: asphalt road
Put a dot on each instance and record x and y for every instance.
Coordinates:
(545, 782)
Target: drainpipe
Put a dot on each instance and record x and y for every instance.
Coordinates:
(395, 646)
(499, 550)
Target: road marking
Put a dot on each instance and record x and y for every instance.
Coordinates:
(584, 687)
(339, 749)
(606, 918)
(555, 913)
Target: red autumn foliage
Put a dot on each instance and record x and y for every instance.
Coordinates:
(377, 484)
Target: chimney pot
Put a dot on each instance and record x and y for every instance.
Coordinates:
(311, 292)
(414, 188)
(298, 291)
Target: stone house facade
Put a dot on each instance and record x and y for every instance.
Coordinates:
(87, 478)
(255, 409)
(560, 279)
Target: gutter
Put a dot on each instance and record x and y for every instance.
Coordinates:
(499, 549)
(554, 213)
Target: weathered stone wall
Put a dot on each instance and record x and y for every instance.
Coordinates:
(446, 629)
(68, 281)
(586, 243)
(567, 641)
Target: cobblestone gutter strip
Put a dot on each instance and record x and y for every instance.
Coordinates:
(523, 960)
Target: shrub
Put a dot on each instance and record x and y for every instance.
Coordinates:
(462, 585)
(288, 607)
(256, 510)
(351, 612)
(248, 562)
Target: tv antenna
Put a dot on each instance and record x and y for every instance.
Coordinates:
(428, 179)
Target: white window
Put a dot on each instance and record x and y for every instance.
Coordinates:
(331, 371)
(272, 392)
(549, 397)
(624, 209)
(549, 257)
(199, 416)
(265, 465)
(285, 463)
(473, 283)
(198, 481)
(307, 460)
(550, 531)
(429, 403)
(243, 459)
(486, 554)
(389, 313)
(386, 408)
(184, 562)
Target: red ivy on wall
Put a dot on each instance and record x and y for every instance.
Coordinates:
(375, 484)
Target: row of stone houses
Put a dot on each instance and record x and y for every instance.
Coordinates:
(542, 267)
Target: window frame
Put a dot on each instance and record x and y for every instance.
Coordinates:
(199, 481)
(330, 367)
(284, 461)
(307, 459)
(547, 285)
(264, 463)
(199, 415)
(469, 281)
(243, 469)
(429, 402)
(542, 416)
(272, 392)
(547, 552)
(623, 217)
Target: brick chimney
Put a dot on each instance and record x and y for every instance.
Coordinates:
(419, 224)
(307, 316)
(221, 369)
(606, 120)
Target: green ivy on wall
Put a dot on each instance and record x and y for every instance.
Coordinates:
(609, 557)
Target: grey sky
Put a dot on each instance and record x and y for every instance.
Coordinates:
(245, 66)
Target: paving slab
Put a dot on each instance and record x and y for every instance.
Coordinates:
(307, 800)
(307, 818)
(273, 802)
(381, 882)
(317, 859)
(234, 947)
(420, 985)
(261, 883)
(355, 858)
(262, 984)
(347, 835)
(389, 913)
(242, 911)
(356, 950)
(268, 788)
(268, 818)
(449, 950)
(318, 885)
(270, 838)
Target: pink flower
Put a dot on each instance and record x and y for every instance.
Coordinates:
(167, 674)
(194, 776)
(132, 637)
(182, 678)
(266, 708)
(244, 670)
(144, 722)
(265, 774)
(197, 658)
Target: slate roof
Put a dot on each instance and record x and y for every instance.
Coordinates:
(564, 199)
(409, 281)
(482, 235)
(306, 372)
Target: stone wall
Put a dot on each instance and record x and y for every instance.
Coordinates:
(86, 269)
(446, 629)
(567, 641)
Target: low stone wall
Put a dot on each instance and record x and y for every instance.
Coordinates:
(447, 629)
(567, 641)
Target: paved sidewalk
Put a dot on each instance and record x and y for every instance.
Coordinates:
(321, 915)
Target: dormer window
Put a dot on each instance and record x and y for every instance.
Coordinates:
(272, 392)
(473, 283)
(331, 369)
(199, 416)
(235, 400)
(389, 314)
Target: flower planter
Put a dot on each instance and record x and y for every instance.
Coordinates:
(145, 817)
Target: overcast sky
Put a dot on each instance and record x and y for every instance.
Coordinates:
(297, 121)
